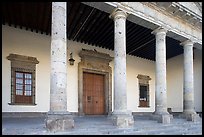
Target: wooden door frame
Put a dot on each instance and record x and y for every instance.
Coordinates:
(98, 63)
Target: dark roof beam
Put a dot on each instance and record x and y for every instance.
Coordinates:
(129, 29)
(48, 27)
(10, 19)
(139, 37)
(141, 46)
(39, 19)
(89, 24)
(71, 16)
(75, 21)
(108, 38)
(135, 36)
(94, 28)
(110, 43)
(84, 31)
(84, 20)
(36, 10)
(146, 49)
(97, 29)
(100, 31)
(104, 32)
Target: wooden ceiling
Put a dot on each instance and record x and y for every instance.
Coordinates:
(87, 25)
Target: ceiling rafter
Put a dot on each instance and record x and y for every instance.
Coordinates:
(88, 25)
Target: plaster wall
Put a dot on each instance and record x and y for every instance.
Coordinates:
(28, 43)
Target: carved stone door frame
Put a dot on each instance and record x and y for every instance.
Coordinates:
(98, 63)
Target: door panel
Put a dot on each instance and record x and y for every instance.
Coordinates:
(93, 94)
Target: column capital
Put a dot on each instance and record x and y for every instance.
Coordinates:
(118, 13)
(60, 4)
(187, 42)
(159, 30)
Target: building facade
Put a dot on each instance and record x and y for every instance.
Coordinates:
(39, 77)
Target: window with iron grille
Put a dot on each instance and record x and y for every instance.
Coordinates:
(22, 79)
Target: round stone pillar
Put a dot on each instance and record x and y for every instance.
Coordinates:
(161, 113)
(121, 116)
(58, 118)
(188, 89)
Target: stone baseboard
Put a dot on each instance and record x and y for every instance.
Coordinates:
(23, 114)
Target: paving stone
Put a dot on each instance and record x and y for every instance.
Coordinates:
(101, 125)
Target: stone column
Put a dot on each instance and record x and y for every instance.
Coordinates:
(58, 118)
(188, 94)
(161, 114)
(121, 116)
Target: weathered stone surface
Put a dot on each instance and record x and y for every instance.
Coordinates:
(162, 118)
(188, 89)
(123, 121)
(100, 125)
(188, 93)
(58, 118)
(59, 122)
(190, 116)
(161, 114)
(193, 117)
(120, 117)
(58, 82)
(95, 62)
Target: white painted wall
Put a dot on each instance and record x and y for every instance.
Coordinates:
(38, 45)
(137, 66)
(175, 82)
(198, 80)
(31, 44)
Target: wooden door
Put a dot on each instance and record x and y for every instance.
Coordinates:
(93, 94)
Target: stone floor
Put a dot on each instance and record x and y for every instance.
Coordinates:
(101, 125)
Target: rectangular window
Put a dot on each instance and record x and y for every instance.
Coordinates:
(143, 97)
(22, 79)
(23, 87)
(143, 90)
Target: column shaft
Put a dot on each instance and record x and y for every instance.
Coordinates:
(58, 118)
(188, 89)
(121, 116)
(188, 78)
(161, 90)
(58, 96)
(161, 114)
(120, 97)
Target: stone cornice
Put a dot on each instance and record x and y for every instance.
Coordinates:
(158, 16)
(16, 57)
(93, 54)
(144, 77)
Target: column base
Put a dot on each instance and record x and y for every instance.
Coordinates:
(59, 121)
(122, 119)
(191, 116)
(164, 118)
